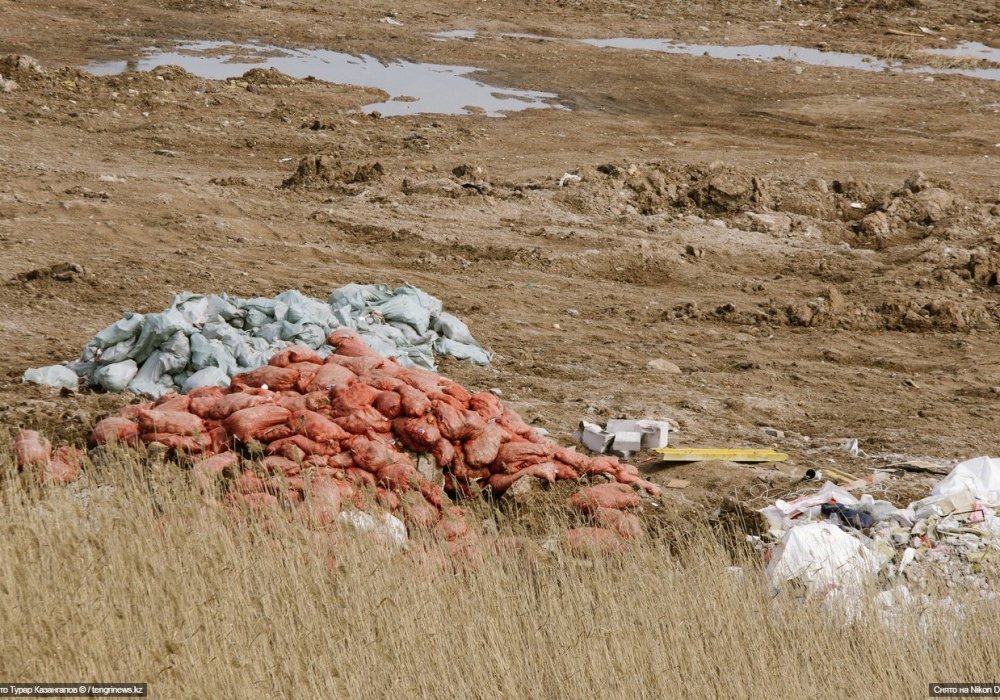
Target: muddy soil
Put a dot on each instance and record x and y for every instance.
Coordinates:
(817, 250)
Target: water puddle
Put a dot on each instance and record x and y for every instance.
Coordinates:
(414, 88)
(798, 54)
(773, 52)
(455, 34)
(968, 49)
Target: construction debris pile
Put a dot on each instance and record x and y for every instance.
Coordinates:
(203, 340)
(312, 432)
(834, 541)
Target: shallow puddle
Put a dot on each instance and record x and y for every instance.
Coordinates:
(772, 52)
(968, 49)
(798, 54)
(414, 88)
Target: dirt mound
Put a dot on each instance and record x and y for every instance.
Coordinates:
(325, 171)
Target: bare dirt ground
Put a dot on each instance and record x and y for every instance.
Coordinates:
(760, 225)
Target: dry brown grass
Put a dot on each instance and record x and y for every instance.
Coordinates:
(108, 589)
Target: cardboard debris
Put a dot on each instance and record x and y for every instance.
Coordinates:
(678, 484)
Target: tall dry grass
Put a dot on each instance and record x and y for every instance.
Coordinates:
(96, 583)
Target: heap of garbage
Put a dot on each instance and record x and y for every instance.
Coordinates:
(835, 541)
(309, 433)
(204, 340)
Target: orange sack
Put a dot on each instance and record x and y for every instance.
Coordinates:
(481, 451)
(250, 423)
(275, 378)
(613, 495)
(237, 401)
(177, 422)
(295, 354)
(115, 429)
(317, 427)
(627, 525)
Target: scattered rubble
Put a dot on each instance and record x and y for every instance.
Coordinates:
(834, 541)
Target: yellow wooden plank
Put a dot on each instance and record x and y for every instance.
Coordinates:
(675, 454)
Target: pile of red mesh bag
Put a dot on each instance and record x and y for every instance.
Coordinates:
(313, 432)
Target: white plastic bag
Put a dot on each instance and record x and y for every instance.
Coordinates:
(57, 376)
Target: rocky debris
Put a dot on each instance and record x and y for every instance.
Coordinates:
(985, 268)
(929, 205)
(7, 85)
(60, 272)
(724, 190)
(439, 186)
(267, 77)
(660, 365)
(326, 171)
(769, 222)
(19, 65)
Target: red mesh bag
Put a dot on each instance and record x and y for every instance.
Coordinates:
(190, 444)
(457, 391)
(322, 501)
(382, 380)
(317, 427)
(453, 525)
(251, 423)
(64, 468)
(363, 421)
(176, 422)
(352, 398)
(281, 465)
(546, 471)
(388, 403)
(276, 432)
(172, 402)
(308, 447)
(275, 378)
(444, 453)
(203, 405)
(627, 525)
(349, 344)
(481, 451)
(295, 354)
(344, 460)
(564, 472)
(417, 434)
(206, 392)
(231, 403)
(307, 372)
(115, 429)
(424, 380)
(514, 456)
(417, 512)
(399, 475)
(360, 477)
(371, 455)
(486, 405)
(132, 410)
(434, 494)
(617, 496)
(413, 402)
(332, 376)
(388, 499)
